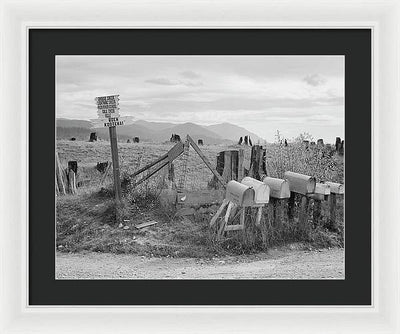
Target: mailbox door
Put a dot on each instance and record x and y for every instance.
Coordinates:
(300, 183)
(279, 188)
(261, 190)
(239, 193)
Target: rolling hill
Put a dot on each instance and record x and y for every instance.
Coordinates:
(233, 132)
(156, 131)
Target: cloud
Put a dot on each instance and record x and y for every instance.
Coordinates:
(314, 80)
(162, 81)
(190, 75)
(169, 82)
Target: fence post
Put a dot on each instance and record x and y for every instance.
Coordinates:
(227, 173)
(332, 207)
(71, 182)
(60, 176)
(291, 203)
(317, 212)
(240, 164)
(304, 213)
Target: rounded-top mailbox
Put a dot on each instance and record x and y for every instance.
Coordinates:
(300, 183)
(336, 188)
(322, 188)
(261, 190)
(279, 188)
(239, 193)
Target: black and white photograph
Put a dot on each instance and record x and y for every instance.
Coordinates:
(200, 167)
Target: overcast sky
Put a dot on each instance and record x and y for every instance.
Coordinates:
(292, 94)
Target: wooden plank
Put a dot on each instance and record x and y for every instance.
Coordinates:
(149, 165)
(198, 198)
(205, 160)
(152, 173)
(234, 227)
(175, 151)
(240, 165)
(227, 173)
(228, 211)
(219, 211)
(147, 224)
(221, 229)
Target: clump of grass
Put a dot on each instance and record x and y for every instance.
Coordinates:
(319, 161)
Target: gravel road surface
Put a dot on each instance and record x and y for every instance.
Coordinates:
(276, 264)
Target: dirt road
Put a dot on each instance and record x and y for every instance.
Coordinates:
(315, 264)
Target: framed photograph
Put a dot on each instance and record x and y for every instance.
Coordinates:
(196, 169)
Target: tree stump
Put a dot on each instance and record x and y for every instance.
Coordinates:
(102, 166)
(73, 165)
(93, 137)
(258, 168)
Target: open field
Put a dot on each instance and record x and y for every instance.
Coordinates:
(89, 221)
(133, 156)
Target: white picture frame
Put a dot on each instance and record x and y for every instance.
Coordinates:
(382, 16)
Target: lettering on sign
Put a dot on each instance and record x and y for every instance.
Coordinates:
(114, 121)
(107, 106)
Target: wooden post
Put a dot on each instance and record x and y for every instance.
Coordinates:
(227, 173)
(115, 162)
(303, 218)
(291, 202)
(240, 165)
(60, 176)
(332, 208)
(257, 164)
(317, 212)
(73, 165)
(71, 182)
(171, 176)
(234, 165)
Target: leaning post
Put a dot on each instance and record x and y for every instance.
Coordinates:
(108, 112)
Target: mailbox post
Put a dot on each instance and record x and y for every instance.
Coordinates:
(337, 190)
(303, 185)
(241, 195)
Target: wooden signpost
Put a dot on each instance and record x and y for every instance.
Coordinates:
(108, 112)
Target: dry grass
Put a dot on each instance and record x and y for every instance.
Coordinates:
(90, 221)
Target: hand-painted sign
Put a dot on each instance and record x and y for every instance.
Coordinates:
(113, 121)
(107, 106)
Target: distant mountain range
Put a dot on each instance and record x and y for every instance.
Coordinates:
(156, 131)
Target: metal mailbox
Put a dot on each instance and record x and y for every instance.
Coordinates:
(321, 191)
(300, 183)
(261, 190)
(336, 188)
(279, 188)
(239, 193)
